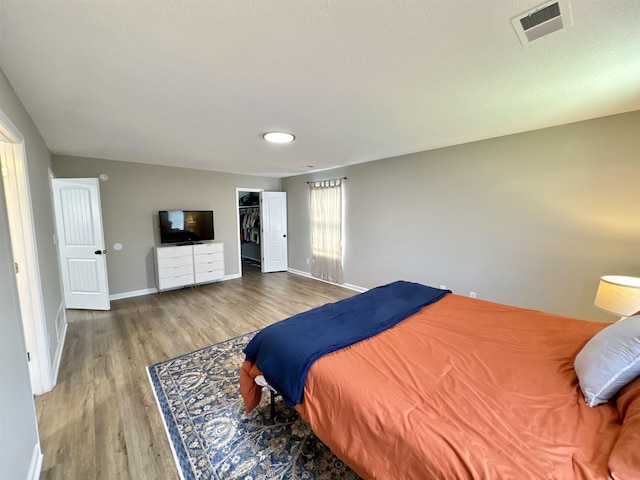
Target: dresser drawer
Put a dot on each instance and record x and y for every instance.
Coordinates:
(174, 262)
(209, 266)
(208, 257)
(208, 248)
(209, 276)
(173, 282)
(175, 271)
(166, 252)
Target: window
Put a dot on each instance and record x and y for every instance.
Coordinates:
(326, 230)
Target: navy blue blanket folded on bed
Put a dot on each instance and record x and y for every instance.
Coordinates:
(286, 350)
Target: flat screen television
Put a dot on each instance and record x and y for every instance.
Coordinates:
(186, 226)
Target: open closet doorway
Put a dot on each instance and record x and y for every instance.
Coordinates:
(249, 217)
(23, 242)
(262, 230)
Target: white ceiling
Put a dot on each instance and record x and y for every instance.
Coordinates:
(195, 83)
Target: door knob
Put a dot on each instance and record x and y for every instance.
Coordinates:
(100, 252)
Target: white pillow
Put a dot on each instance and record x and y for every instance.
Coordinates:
(609, 361)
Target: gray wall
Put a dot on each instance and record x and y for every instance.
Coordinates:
(18, 430)
(38, 162)
(531, 220)
(132, 197)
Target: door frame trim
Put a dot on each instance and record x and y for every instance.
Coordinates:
(22, 228)
(237, 204)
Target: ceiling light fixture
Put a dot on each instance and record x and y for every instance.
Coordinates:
(279, 137)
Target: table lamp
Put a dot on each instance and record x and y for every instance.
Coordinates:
(619, 295)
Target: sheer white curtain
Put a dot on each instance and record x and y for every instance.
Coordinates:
(326, 230)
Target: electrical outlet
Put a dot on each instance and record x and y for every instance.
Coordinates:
(307, 261)
(472, 294)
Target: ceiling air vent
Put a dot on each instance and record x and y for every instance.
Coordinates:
(542, 20)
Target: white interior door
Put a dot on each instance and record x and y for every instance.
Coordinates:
(273, 211)
(83, 262)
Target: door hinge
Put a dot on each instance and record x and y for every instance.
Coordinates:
(28, 357)
(16, 265)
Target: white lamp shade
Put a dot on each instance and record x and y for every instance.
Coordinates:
(619, 295)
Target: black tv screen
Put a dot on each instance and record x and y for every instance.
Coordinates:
(186, 226)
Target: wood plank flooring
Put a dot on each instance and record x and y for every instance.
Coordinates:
(101, 420)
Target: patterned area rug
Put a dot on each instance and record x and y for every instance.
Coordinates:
(212, 438)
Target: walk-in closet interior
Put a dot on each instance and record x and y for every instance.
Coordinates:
(249, 211)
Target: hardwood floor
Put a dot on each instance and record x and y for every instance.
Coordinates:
(101, 420)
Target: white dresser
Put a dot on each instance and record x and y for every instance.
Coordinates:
(208, 262)
(185, 265)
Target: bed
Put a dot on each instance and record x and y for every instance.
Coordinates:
(467, 389)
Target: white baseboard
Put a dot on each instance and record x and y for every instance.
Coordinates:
(149, 291)
(36, 463)
(137, 293)
(55, 368)
(344, 285)
(299, 272)
(61, 321)
(354, 287)
(46, 384)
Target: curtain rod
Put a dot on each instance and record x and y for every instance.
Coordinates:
(330, 180)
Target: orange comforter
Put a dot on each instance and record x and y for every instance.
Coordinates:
(464, 389)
